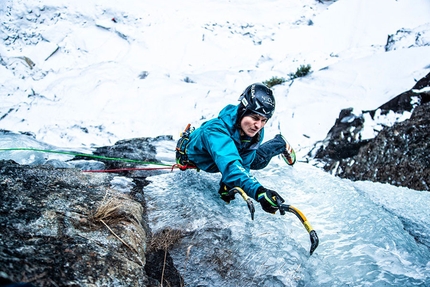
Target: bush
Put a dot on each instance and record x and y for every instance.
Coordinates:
(274, 81)
(301, 72)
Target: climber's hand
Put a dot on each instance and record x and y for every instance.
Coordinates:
(268, 199)
(225, 193)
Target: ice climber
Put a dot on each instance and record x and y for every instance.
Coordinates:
(232, 145)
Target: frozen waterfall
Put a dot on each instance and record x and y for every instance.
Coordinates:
(370, 234)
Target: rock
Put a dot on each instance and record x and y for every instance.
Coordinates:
(64, 227)
(343, 139)
(157, 263)
(137, 150)
(398, 154)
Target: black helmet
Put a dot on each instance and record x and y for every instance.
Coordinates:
(259, 99)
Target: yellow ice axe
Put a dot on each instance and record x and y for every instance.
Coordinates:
(282, 209)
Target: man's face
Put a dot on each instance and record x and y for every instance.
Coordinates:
(252, 124)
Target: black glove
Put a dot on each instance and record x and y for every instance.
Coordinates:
(267, 199)
(224, 193)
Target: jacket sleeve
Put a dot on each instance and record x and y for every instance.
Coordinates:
(234, 170)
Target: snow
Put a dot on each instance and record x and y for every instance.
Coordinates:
(76, 79)
(88, 86)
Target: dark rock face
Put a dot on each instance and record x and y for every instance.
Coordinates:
(51, 233)
(157, 267)
(344, 137)
(137, 150)
(66, 227)
(398, 155)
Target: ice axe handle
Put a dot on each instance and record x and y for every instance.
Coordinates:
(279, 203)
(312, 233)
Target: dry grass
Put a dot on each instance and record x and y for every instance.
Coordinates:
(163, 240)
(111, 212)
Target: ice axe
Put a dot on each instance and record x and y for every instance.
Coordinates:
(282, 209)
(312, 233)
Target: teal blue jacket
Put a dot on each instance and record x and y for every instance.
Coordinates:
(216, 146)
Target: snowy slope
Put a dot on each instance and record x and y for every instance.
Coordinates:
(162, 65)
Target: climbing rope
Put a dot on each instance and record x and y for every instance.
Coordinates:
(76, 154)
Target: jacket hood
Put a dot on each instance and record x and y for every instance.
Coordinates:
(229, 116)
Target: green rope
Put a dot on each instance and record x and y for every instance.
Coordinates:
(83, 154)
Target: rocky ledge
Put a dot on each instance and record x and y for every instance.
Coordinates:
(65, 227)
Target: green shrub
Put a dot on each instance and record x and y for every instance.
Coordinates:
(274, 81)
(302, 71)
